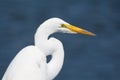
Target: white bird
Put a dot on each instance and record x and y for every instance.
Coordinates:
(31, 64)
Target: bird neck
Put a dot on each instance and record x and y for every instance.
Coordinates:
(43, 32)
(56, 63)
(42, 42)
(41, 37)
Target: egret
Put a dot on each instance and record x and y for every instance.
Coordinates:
(31, 62)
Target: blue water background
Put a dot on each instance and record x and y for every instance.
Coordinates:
(86, 58)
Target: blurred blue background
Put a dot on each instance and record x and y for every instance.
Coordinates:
(86, 58)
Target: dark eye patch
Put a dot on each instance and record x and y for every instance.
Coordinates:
(63, 26)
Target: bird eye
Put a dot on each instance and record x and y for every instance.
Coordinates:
(63, 26)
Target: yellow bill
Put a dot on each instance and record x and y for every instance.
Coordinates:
(78, 30)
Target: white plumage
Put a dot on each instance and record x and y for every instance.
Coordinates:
(31, 64)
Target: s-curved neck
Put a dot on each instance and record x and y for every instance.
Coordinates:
(55, 64)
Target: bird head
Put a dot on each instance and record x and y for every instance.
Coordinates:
(59, 25)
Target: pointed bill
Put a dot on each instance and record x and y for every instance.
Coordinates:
(78, 30)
